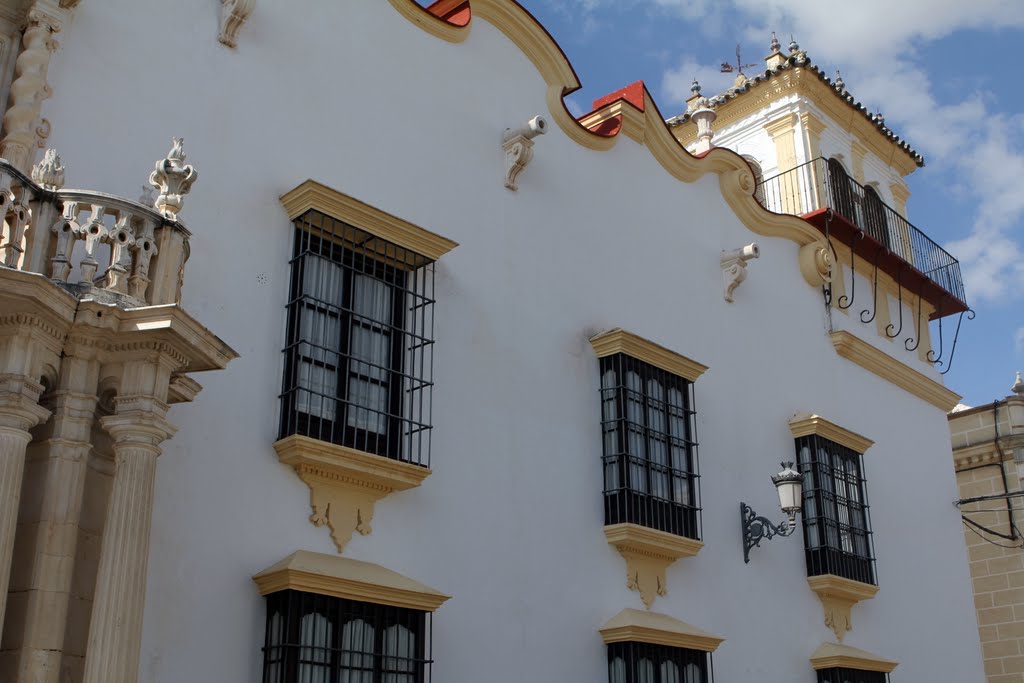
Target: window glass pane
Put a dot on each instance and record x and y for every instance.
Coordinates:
(370, 351)
(368, 405)
(657, 448)
(399, 653)
(323, 280)
(610, 428)
(356, 652)
(315, 655)
(645, 671)
(371, 299)
(669, 672)
(319, 335)
(317, 388)
(617, 671)
(635, 417)
(693, 674)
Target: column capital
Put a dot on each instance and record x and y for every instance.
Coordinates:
(138, 428)
(19, 403)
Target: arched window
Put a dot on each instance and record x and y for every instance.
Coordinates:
(840, 189)
(874, 217)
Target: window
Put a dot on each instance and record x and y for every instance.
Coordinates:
(837, 531)
(359, 360)
(313, 638)
(635, 662)
(841, 675)
(650, 447)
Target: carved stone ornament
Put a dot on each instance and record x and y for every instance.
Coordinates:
(345, 484)
(233, 15)
(648, 553)
(816, 263)
(50, 171)
(518, 146)
(838, 596)
(173, 179)
(734, 267)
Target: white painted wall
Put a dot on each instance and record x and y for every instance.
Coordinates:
(510, 523)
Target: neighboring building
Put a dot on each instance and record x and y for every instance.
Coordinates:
(988, 452)
(480, 342)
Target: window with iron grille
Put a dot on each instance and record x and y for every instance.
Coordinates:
(359, 354)
(650, 447)
(635, 662)
(837, 530)
(840, 675)
(314, 638)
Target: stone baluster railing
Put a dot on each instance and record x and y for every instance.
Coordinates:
(96, 244)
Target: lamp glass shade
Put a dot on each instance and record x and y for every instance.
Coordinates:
(789, 483)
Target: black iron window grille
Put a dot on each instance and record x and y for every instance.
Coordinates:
(837, 527)
(650, 447)
(635, 662)
(840, 675)
(359, 354)
(314, 638)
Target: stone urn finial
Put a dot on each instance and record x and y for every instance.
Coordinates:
(173, 179)
(49, 173)
(1018, 386)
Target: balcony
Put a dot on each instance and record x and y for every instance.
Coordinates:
(847, 212)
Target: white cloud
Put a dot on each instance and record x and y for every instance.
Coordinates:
(676, 82)
(1018, 340)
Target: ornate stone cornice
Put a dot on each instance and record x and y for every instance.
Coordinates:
(832, 655)
(620, 341)
(805, 424)
(637, 626)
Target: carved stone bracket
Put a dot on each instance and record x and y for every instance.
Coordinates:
(816, 263)
(233, 15)
(518, 146)
(734, 267)
(838, 596)
(648, 553)
(344, 483)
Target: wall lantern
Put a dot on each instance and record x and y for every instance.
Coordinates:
(789, 483)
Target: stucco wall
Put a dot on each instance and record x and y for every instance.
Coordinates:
(353, 95)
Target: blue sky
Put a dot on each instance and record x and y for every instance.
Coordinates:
(946, 75)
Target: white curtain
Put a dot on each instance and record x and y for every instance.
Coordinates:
(399, 655)
(314, 653)
(611, 430)
(680, 462)
(657, 448)
(275, 639)
(370, 351)
(635, 415)
(670, 672)
(356, 652)
(691, 674)
(319, 336)
(645, 671)
(617, 670)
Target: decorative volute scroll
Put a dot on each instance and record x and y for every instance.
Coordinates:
(734, 267)
(838, 595)
(344, 483)
(233, 14)
(173, 179)
(29, 88)
(518, 146)
(648, 553)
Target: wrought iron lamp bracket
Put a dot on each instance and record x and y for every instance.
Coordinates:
(757, 528)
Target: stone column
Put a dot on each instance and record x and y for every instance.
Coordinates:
(137, 428)
(29, 88)
(19, 412)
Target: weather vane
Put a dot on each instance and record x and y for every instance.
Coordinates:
(738, 67)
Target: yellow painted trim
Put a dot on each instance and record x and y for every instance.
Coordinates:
(638, 626)
(648, 554)
(807, 425)
(832, 655)
(313, 195)
(838, 595)
(858, 151)
(888, 368)
(619, 341)
(900, 195)
(434, 25)
(339, 577)
(633, 121)
(735, 179)
(344, 483)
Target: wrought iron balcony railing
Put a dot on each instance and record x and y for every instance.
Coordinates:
(821, 192)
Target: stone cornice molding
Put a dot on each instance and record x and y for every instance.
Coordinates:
(620, 341)
(637, 626)
(340, 577)
(648, 554)
(345, 484)
(832, 655)
(888, 368)
(735, 179)
(838, 595)
(805, 424)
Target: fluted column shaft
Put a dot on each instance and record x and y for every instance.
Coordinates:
(19, 412)
(115, 629)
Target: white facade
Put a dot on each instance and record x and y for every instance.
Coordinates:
(509, 523)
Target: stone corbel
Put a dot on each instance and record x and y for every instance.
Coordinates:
(518, 146)
(648, 553)
(344, 483)
(233, 15)
(734, 267)
(816, 263)
(838, 596)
